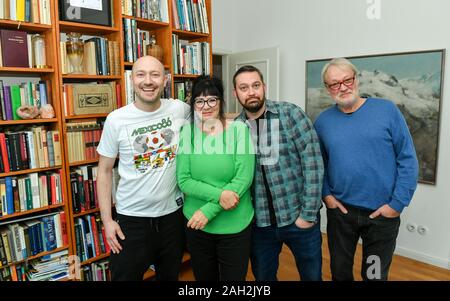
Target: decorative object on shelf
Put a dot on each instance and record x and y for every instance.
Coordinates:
(39, 59)
(155, 50)
(28, 112)
(92, 12)
(31, 112)
(75, 51)
(155, 10)
(93, 98)
(412, 80)
(47, 111)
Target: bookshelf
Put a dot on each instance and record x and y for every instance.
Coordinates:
(164, 31)
(21, 213)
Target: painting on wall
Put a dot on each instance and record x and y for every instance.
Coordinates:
(412, 80)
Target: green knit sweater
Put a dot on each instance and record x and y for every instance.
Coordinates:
(212, 164)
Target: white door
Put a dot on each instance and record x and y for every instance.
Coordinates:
(266, 60)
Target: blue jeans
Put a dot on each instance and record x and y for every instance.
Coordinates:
(305, 244)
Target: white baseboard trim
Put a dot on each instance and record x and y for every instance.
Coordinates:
(425, 258)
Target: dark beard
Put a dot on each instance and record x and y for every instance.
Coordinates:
(254, 109)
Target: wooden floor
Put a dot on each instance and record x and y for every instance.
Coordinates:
(402, 268)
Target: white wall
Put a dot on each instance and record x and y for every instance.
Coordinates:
(317, 29)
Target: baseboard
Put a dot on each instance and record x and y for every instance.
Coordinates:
(436, 261)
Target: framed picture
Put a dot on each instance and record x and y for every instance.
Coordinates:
(412, 80)
(96, 12)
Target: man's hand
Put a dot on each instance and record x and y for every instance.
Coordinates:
(385, 211)
(112, 229)
(229, 199)
(198, 221)
(302, 224)
(331, 202)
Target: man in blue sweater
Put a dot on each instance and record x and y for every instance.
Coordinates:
(371, 173)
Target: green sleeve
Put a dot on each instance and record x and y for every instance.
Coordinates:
(191, 187)
(245, 161)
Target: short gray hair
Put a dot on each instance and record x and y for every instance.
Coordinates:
(339, 62)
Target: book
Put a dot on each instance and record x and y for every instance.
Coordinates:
(14, 48)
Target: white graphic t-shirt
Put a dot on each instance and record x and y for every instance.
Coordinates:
(146, 143)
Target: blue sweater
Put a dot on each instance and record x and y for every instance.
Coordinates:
(369, 156)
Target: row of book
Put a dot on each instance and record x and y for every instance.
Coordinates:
(51, 267)
(100, 57)
(190, 58)
(13, 97)
(147, 9)
(33, 11)
(83, 183)
(17, 49)
(97, 271)
(83, 139)
(90, 237)
(29, 149)
(28, 238)
(135, 40)
(91, 98)
(28, 192)
(190, 15)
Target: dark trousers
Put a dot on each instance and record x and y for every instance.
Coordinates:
(378, 243)
(159, 241)
(219, 257)
(305, 244)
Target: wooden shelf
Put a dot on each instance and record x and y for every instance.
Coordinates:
(16, 25)
(26, 171)
(147, 23)
(26, 70)
(91, 77)
(35, 257)
(184, 76)
(28, 121)
(29, 212)
(87, 116)
(86, 162)
(90, 211)
(189, 34)
(66, 26)
(91, 260)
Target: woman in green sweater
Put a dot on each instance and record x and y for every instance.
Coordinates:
(215, 168)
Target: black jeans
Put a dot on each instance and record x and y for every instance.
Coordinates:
(159, 241)
(378, 243)
(219, 257)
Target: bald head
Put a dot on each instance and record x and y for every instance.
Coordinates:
(148, 62)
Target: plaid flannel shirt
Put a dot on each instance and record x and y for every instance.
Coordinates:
(293, 164)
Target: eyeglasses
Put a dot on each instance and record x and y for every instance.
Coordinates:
(199, 103)
(348, 82)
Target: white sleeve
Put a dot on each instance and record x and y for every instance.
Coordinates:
(109, 142)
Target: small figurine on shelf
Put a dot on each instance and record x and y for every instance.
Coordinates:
(155, 50)
(75, 51)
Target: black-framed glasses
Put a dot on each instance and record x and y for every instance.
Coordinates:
(199, 102)
(348, 82)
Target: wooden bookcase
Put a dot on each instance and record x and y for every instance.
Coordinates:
(163, 32)
(51, 74)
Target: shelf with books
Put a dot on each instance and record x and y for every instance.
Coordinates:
(185, 76)
(87, 212)
(42, 254)
(18, 25)
(66, 26)
(27, 121)
(29, 212)
(189, 35)
(25, 70)
(147, 23)
(86, 162)
(97, 258)
(27, 171)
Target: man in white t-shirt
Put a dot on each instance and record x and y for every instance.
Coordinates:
(144, 135)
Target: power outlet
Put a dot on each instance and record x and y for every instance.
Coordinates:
(411, 227)
(422, 230)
